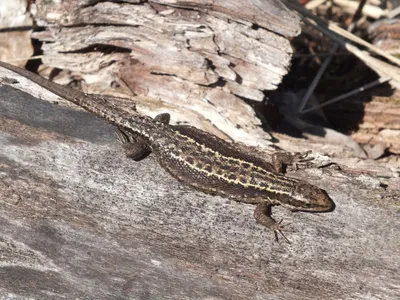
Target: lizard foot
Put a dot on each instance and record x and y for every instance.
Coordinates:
(134, 145)
(278, 229)
(282, 159)
(301, 159)
(262, 214)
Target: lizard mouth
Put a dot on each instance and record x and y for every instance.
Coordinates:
(307, 197)
(327, 206)
(320, 204)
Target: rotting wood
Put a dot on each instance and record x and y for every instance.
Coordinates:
(197, 58)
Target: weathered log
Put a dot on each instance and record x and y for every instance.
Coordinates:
(80, 220)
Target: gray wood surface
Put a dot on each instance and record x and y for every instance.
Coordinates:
(81, 221)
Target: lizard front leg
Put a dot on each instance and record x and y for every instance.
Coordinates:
(282, 159)
(262, 214)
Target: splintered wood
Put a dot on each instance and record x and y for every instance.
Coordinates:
(196, 59)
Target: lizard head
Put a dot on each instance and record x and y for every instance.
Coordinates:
(307, 197)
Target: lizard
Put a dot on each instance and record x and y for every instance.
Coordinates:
(202, 160)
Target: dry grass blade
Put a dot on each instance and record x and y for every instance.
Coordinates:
(338, 34)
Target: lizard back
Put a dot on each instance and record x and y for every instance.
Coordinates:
(215, 166)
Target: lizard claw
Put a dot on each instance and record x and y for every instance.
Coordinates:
(278, 229)
(280, 160)
(121, 136)
(302, 156)
(301, 159)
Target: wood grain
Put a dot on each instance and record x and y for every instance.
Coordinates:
(80, 220)
(199, 59)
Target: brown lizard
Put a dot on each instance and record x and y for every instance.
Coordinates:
(202, 160)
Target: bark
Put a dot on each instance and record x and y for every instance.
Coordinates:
(196, 59)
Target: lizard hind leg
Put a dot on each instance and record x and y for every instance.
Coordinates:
(262, 214)
(134, 145)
